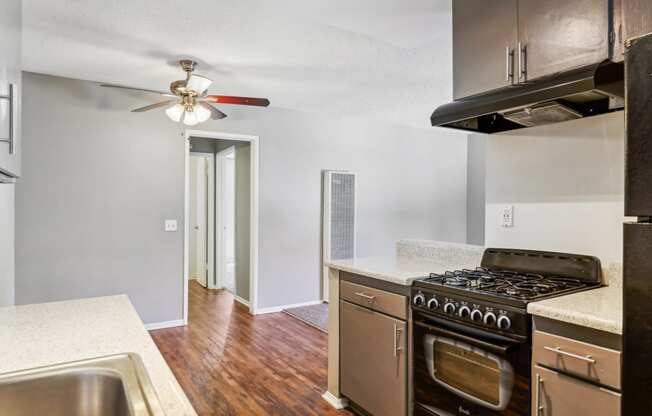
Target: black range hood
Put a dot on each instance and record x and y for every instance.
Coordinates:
(582, 92)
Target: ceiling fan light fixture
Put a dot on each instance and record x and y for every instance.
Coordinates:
(175, 112)
(190, 118)
(198, 84)
(202, 113)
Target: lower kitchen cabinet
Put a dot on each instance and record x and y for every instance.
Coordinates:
(373, 357)
(557, 394)
(575, 370)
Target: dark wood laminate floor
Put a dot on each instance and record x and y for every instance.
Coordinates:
(231, 363)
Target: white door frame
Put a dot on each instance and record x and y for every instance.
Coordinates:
(220, 187)
(253, 219)
(210, 223)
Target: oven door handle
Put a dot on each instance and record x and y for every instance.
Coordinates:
(496, 348)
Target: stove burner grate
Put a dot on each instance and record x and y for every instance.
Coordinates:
(506, 283)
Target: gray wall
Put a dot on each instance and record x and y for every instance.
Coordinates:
(411, 184)
(99, 181)
(242, 216)
(566, 183)
(475, 197)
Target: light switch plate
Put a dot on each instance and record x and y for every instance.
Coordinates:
(507, 216)
(170, 225)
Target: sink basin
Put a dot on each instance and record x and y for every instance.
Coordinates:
(114, 385)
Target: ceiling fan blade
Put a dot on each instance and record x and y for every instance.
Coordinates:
(227, 99)
(198, 84)
(122, 87)
(153, 106)
(215, 113)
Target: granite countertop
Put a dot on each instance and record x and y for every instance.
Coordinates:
(413, 259)
(50, 333)
(600, 309)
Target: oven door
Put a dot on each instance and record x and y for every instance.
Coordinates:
(460, 371)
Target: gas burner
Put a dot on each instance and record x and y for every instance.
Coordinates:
(505, 283)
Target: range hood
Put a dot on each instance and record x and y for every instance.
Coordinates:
(582, 92)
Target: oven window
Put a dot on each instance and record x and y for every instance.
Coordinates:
(472, 373)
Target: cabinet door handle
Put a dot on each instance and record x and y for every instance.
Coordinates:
(537, 396)
(10, 140)
(522, 61)
(509, 62)
(558, 350)
(364, 295)
(397, 336)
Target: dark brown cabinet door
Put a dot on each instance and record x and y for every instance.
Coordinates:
(373, 364)
(558, 35)
(556, 394)
(637, 18)
(484, 33)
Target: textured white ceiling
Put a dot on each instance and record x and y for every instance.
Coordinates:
(386, 60)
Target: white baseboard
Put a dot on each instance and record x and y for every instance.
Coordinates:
(336, 402)
(239, 299)
(276, 309)
(166, 324)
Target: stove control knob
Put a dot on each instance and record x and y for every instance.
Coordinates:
(433, 303)
(489, 318)
(476, 315)
(504, 322)
(449, 308)
(419, 300)
(464, 312)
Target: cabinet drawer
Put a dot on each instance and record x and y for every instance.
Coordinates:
(598, 364)
(376, 299)
(373, 360)
(556, 394)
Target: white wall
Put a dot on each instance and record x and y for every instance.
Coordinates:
(566, 182)
(99, 181)
(7, 244)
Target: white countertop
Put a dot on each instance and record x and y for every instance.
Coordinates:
(414, 259)
(600, 309)
(50, 333)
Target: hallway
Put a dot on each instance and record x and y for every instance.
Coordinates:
(231, 363)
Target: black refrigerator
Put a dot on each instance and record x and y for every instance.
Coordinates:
(637, 234)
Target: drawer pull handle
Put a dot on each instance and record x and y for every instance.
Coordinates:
(364, 295)
(558, 350)
(397, 335)
(538, 404)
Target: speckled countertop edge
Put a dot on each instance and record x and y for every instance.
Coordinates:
(412, 260)
(600, 309)
(58, 332)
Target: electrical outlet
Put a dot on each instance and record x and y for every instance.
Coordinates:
(170, 225)
(507, 216)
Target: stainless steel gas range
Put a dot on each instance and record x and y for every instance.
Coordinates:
(472, 333)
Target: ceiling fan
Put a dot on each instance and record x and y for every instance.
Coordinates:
(189, 100)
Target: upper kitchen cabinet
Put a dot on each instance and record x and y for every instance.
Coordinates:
(10, 86)
(558, 35)
(637, 18)
(506, 42)
(484, 40)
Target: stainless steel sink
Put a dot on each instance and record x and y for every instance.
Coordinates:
(115, 385)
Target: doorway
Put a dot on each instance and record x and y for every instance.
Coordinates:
(202, 214)
(226, 198)
(228, 214)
